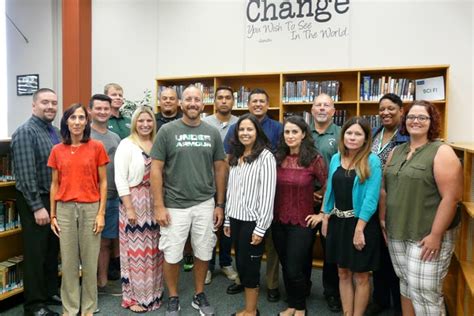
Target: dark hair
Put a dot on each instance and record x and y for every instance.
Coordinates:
(307, 149)
(42, 90)
(65, 133)
(435, 119)
(392, 97)
(227, 88)
(258, 91)
(237, 149)
(361, 160)
(99, 97)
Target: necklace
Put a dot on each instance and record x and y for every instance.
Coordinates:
(75, 148)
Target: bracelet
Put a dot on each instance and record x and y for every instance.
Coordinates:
(221, 205)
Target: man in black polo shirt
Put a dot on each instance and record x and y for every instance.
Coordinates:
(169, 102)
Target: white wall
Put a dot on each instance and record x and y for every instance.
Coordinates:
(135, 41)
(124, 45)
(208, 37)
(40, 22)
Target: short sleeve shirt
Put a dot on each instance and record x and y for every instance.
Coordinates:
(120, 126)
(78, 171)
(327, 142)
(111, 142)
(188, 153)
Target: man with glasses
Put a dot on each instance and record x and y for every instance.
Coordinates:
(326, 135)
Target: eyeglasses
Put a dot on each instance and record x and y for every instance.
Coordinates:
(420, 118)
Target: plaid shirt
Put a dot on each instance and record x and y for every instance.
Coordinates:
(31, 146)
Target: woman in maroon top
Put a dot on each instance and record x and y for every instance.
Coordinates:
(299, 165)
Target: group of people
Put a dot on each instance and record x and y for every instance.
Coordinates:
(383, 201)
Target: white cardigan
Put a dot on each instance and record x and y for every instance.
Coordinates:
(129, 166)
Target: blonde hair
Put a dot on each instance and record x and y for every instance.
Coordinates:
(116, 86)
(361, 159)
(133, 129)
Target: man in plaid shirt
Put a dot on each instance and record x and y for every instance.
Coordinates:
(31, 145)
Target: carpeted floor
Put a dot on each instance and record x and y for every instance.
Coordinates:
(216, 292)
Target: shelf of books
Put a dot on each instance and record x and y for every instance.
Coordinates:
(459, 283)
(355, 91)
(11, 247)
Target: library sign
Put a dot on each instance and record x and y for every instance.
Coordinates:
(295, 20)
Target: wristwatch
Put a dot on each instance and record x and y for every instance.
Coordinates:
(221, 205)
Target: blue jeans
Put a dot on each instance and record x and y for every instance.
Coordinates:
(225, 246)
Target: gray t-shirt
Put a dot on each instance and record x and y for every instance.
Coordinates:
(189, 153)
(221, 127)
(110, 140)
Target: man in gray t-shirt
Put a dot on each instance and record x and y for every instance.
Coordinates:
(188, 169)
(222, 119)
(100, 111)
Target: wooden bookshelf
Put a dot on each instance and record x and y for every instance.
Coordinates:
(349, 90)
(10, 240)
(459, 283)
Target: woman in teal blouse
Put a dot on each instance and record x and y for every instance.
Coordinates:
(352, 232)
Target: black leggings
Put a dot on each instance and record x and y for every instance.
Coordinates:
(248, 257)
(293, 244)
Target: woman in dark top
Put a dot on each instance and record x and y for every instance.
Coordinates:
(299, 165)
(423, 183)
(385, 138)
(350, 201)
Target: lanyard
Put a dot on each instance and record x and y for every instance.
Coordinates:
(382, 148)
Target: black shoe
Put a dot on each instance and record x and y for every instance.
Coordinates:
(334, 303)
(273, 295)
(42, 311)
(373, 309)
(54, 300)
(235, 288)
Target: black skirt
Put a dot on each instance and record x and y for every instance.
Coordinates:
(340, 246)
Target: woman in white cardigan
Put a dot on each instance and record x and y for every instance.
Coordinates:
(140, 259)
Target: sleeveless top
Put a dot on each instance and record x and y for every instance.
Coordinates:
(412, 194)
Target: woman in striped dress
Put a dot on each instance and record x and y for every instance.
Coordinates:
(140, 259)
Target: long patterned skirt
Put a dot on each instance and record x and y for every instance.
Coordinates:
(141, 262)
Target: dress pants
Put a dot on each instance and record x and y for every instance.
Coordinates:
(330, 274)
(79, 246)
(273, 263)
(40, 256)
(386, 282)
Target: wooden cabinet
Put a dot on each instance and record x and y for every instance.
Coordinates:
(459, 283)
(349, 88)
(10, 240)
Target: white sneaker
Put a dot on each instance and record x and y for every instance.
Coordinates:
(230, 273)
(208, 277)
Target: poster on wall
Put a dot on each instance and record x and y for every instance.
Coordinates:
(27, 84)
(304, 34)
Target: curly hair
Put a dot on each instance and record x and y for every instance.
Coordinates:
(435, 119)
(237, 148)
(307, 149)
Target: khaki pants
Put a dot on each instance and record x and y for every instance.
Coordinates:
(79, 246)
(273, 263)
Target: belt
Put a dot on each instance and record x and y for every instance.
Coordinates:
(342, 214)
